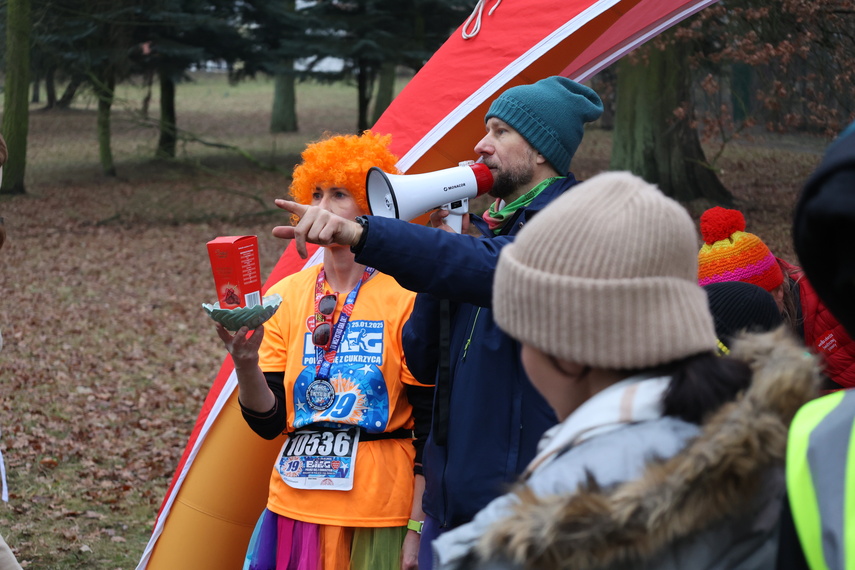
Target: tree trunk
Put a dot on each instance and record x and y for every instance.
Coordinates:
(166, 142)
(385, 89)
(148, 82)
(604, 84)
(283, 118)
(15, 103)
(653, 135)
(37, 88)
(50, 88)
(104, 90)
(69, 93)
(364, 86)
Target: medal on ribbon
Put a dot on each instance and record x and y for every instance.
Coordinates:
(320, 394)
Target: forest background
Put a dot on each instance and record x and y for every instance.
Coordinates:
(107, 353)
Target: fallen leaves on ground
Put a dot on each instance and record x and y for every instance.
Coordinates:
(108, 355)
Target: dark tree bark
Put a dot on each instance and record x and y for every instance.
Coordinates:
(50, 88)
(654, 137)
(385, 90)
(104, 90)
(604, 84)
(16, 101)
(148, 81)
(67, 98)
(166, 142)
(37, 89)
(283, 117)
(364, 85)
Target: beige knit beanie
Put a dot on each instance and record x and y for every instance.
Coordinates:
(606, 276)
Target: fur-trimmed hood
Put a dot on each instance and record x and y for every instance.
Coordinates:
(677, 498)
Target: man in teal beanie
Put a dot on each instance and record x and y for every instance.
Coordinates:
(531, 111)
(484, 416)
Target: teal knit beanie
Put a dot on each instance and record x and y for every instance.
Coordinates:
(550, 115)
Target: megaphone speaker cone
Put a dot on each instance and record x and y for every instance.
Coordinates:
(381, 197)
(408, 196)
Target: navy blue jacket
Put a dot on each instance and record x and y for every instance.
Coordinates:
(496, 416)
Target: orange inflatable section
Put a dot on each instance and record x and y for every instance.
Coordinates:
(215, 511)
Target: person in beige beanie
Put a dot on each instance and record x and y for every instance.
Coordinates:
(666, 455)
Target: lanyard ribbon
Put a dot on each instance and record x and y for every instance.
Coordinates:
(324, 359)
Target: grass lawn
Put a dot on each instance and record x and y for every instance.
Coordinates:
(107, 353)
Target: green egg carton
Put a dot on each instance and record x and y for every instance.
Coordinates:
(250, 317)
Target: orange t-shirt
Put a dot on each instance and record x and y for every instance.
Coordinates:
(369, 376)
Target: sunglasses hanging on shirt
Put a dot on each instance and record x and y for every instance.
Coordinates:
(322, 335)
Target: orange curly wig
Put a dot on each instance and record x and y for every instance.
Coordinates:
(342, 161)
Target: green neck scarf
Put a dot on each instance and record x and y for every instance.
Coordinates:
(496, 218)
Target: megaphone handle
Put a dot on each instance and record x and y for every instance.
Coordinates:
(455, 221)
(455, 215)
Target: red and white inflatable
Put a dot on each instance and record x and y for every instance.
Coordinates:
(220, 485)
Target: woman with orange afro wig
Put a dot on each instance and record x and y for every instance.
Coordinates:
(328, 372)
(342, 161)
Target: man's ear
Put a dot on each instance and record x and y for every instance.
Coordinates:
(541, 159)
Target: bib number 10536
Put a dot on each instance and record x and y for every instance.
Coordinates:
(319, 459)
(319, 443)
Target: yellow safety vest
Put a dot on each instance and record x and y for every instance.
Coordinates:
(821, 480)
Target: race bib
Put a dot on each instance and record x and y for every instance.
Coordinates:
(319, 459)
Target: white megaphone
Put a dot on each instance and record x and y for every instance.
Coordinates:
(407, 196)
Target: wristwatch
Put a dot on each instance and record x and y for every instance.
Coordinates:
(362, 221)
(415, 525)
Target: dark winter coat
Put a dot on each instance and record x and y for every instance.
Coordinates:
(496, 417)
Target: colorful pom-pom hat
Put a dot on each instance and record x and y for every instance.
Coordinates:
(730, 253)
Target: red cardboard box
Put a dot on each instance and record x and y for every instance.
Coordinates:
(237, 275)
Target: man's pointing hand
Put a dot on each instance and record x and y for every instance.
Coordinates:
(316, 225)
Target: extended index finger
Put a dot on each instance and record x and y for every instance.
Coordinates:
(295, 208)
(289, 232)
